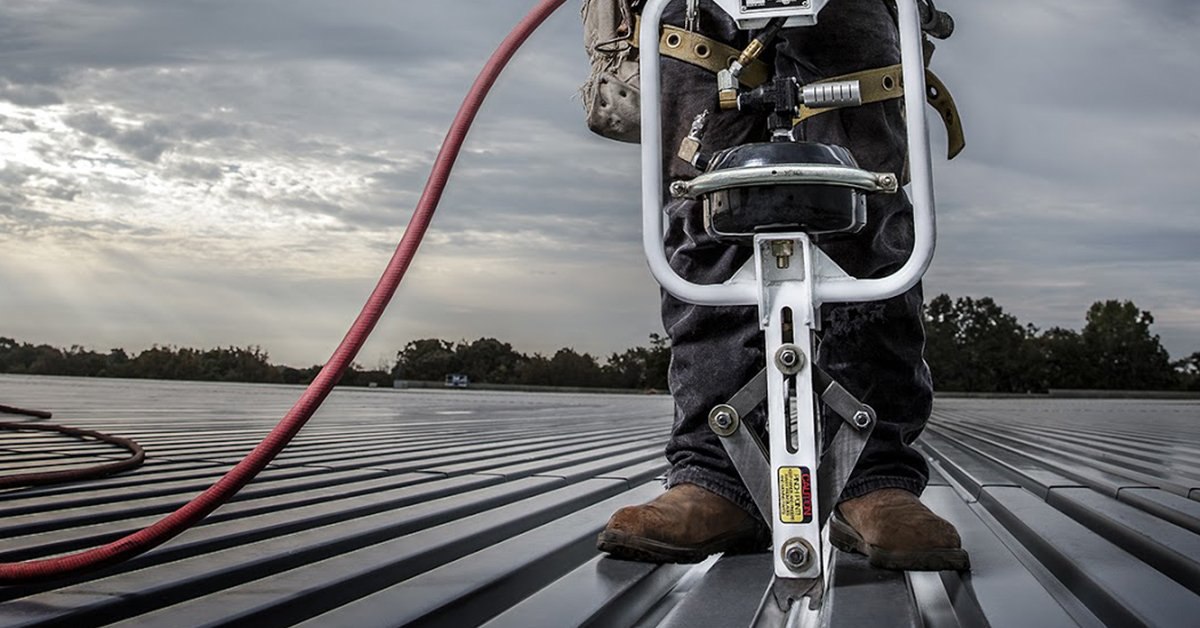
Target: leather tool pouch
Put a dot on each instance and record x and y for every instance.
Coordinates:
(611, 97)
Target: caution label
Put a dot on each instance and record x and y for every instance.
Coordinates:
(795, 495)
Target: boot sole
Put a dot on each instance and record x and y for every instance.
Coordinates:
(847, 539)
(641, 549)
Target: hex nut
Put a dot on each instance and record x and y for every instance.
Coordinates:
(790, 359)
(723, 420)
(796, 554)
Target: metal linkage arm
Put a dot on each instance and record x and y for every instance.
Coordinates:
(747, 452)
(839, 460)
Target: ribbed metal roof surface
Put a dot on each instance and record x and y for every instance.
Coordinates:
(461, 508)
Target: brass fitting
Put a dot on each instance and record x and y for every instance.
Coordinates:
(728, 98)
(751, 53)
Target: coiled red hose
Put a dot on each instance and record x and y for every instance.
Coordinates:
(237, 477)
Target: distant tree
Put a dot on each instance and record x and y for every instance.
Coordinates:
(289, 375)
(534, 370)
(627, 369)
(489, 360)
(1188, 370)
(942, 353)
(974, 345)
(226, 364)
(428, 359)
(1121, 352)
(658, 362)
(568, 368)
(356, 375)
(1062, 363)
(641, 368)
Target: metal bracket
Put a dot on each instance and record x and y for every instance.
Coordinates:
(778, 604)
(839, 460)
(744, 447)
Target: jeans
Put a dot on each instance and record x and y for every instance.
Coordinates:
(875, 350)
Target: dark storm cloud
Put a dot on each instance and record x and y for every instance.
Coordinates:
(29, 95)
(129, 33)
(146, 141)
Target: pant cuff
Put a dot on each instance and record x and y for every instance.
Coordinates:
(861, 487)
(728, 488)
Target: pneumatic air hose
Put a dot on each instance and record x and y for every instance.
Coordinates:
(46, 569)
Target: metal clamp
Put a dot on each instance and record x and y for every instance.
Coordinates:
(786, 174)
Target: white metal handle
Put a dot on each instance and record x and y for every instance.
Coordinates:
(744, 291)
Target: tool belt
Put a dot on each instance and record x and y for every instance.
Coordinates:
(611, 96)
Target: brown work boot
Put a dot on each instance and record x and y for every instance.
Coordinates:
(683, 525)
(896, 531)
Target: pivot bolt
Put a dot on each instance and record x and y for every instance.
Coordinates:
(861, 419)
(888, 183)
(790, 359)
(723, 420)
(795, 554)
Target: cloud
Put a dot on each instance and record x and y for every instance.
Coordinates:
(238, 172)
(146, 141)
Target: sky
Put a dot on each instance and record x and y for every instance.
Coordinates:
(237, 172)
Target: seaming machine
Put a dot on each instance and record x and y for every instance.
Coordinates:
(774, 196)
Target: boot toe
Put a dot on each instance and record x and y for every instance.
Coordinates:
(685, 524)
(896, 531)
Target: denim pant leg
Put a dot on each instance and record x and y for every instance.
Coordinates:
(874, 349)
(714, 352)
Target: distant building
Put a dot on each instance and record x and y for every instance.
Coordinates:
(457, 380)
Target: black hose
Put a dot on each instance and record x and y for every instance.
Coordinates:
(135, 459)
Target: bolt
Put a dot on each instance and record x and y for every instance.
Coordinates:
(795, 555)
(782, 250)
(723, 419)
(862, 418)
(788, 357)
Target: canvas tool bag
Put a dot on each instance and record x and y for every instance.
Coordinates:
(611, 98)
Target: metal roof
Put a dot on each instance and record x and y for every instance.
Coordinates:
(464, 508)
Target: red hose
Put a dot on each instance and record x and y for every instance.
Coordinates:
(237, 477)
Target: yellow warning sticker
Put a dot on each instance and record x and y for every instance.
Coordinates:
(795, 495)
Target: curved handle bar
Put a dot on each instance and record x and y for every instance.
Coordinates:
(745, 291)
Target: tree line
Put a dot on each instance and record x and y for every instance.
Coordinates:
(494, 362)
(973, 345)
(228, 364)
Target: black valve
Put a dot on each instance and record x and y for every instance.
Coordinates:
(780, 99)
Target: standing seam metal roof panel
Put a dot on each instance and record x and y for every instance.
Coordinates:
(436, 508)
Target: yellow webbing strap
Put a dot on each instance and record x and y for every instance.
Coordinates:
(877, 84)
(703, 52)
(940, 99)
(885, 83)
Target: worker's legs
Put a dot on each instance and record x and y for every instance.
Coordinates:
(874, 349)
